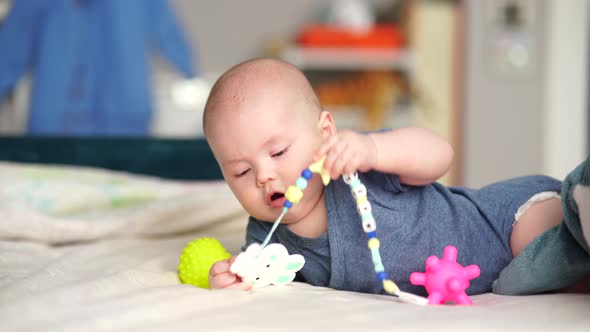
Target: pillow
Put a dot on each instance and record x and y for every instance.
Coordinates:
(58, 204)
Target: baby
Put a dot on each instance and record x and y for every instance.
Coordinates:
(265, 125)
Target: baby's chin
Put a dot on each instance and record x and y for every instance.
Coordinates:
(296, 213)
(271, 216)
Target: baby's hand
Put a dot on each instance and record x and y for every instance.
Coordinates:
(221, 277)
(346, 152)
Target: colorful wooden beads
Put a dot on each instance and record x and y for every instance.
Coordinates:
(359, 193)
(295, 193)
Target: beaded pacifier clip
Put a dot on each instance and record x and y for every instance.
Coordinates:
(248, 265)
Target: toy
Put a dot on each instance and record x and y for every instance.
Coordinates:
(197, 258)
(446, 280)
(259, 265)
(265, 266)
(254, 266)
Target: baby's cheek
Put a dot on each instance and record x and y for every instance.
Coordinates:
(312, 192)
(251, 205)
(246, 200)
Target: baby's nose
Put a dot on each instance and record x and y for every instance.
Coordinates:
(262, 181)
(264, 177)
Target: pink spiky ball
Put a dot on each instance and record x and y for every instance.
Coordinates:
(445, 279)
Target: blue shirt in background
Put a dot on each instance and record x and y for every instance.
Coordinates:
(90, 62)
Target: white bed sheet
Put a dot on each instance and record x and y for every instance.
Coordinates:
(132, 285)
(126, 280)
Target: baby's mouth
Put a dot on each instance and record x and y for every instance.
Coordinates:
(277, 200)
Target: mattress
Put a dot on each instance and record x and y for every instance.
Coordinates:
(88, 249)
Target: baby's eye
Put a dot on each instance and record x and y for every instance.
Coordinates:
(280, 153)
(240, 174)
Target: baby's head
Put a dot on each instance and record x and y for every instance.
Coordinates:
(263, 123)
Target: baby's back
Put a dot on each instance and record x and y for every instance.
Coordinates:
(416, 222)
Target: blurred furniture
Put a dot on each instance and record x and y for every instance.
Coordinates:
(189, 159)
(372, 66)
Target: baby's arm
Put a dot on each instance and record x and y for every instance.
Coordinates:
(221, 277)
(417, 155)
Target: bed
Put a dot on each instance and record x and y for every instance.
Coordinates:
(90, 238)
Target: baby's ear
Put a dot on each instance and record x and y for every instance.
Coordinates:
(326, 124)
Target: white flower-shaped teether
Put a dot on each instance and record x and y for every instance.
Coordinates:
(269, 265)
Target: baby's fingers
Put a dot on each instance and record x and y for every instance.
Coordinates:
(337, 166)
(222, 280)
(244, 286)
(337, 158)
(352, 165)
(220, 267)
(333, 155)
(326, 146)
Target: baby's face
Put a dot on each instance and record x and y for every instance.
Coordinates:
(262, 144)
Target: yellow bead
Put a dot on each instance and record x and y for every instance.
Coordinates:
(318, 168)
(294, 194)
(390, 287)
(374, 243)
(361, 200)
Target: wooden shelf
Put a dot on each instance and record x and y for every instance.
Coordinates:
(347, 58)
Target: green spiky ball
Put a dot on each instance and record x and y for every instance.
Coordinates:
(197, 258)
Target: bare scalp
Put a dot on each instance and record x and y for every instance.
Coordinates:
(236, 84)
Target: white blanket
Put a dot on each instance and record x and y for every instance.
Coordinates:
(124, 281)
(56, 204)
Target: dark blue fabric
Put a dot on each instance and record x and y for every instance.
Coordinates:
(413, 223)
(89, 60)
(170, 158)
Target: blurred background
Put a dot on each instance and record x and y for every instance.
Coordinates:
(505, 81)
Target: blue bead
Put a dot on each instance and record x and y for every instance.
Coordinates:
(372, 234)
(288, 204)
(306, 174)
(382, 275)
